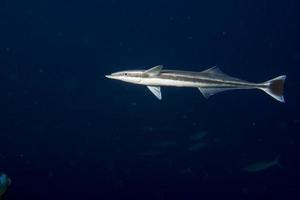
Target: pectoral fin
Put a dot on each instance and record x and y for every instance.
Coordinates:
(155, 91)
(207, 92)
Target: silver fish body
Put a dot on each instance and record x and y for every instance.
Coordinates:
(209, 82)
(263, 165)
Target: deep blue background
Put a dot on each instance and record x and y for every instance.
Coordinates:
(67, 132)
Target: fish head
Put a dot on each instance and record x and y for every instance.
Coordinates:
(133, 76)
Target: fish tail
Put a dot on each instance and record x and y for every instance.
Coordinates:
(274, 88)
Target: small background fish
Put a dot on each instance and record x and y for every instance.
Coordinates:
(262, 165)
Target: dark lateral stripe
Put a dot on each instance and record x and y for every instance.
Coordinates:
(207, 80)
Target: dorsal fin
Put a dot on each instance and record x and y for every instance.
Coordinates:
(154, 70)
(213, 70)
(216, 72)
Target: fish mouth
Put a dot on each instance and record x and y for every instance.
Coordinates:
(109, 76)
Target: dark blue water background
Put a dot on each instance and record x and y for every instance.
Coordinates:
(67, 132)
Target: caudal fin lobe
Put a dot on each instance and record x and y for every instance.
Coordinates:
(275, 87)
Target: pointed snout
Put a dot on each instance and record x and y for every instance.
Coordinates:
(116, 75)
(112, 76)
(127, 76)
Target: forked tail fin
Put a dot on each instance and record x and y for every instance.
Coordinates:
(275, 87)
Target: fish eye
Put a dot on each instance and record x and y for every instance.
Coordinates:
(125, 74)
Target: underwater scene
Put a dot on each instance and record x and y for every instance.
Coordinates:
(149, 100)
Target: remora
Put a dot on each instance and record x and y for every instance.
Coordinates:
(209, 82)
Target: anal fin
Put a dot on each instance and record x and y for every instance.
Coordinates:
(207, 92)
